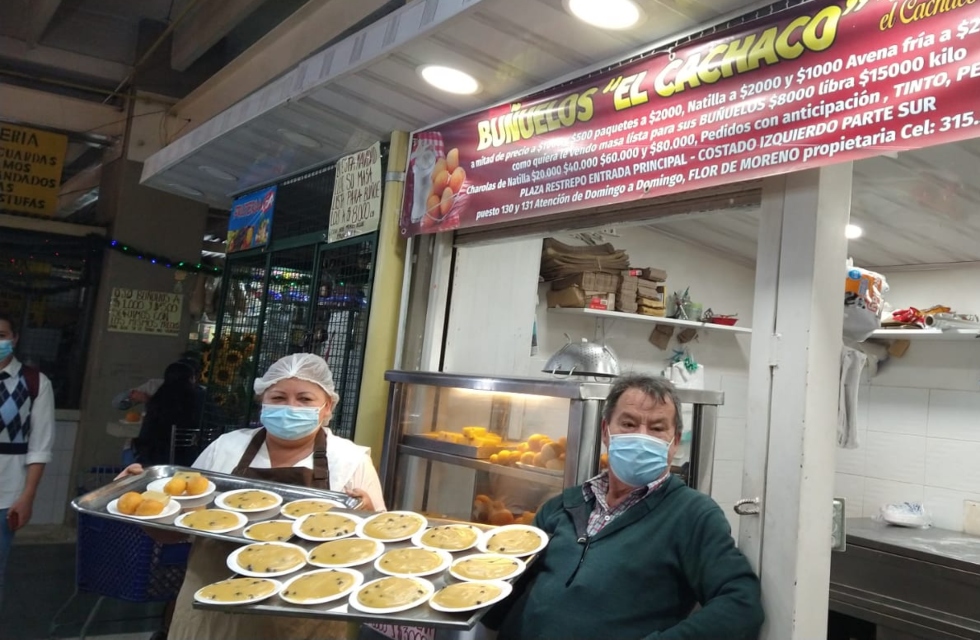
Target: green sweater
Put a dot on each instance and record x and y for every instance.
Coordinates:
(640, 577)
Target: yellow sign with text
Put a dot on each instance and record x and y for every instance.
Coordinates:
(30, 169)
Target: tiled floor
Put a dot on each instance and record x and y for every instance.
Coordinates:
(41, 578)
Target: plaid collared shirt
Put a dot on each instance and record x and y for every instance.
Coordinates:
(598, 487)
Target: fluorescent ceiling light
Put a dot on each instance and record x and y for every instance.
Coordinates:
(299, 138)
(852, 232)
(191, 191)
(449, 80)
(219, 174)
(606, 14)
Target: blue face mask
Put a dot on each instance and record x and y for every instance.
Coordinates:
(288, 422)
(6, 349)
(638, 459)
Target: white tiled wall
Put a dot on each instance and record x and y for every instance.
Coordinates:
(919, 418)
(53, 492)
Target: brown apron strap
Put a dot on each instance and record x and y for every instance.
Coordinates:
(253, 448)
(321, 470)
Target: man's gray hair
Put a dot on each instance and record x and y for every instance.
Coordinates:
(660, 389)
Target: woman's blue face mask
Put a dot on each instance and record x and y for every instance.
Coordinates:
(287, 422)
(638, 459)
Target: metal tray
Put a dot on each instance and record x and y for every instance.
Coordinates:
(95, 502)
(464, 450)
(421, 616)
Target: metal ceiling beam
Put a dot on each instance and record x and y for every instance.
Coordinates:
(39, 17)
(76, 192)
(289, 43)
(18, 51)
(211, 21)
(39, 108)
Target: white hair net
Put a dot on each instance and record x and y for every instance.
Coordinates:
(304, 366)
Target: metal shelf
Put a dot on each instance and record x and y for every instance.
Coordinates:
(926, 334)
(599, 314)
(483, 465)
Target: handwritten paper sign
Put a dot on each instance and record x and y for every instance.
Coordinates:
(30, 169)
(148, 312)
(356, 206)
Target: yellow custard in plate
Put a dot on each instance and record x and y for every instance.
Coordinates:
(451, 537)
(392, 592)
(328, 525)
(343, 552)
(301, 508)
(270, 558)
(513, 541)
(486, 568)
(237, 590)
(315, 586)
(409, 561)
(392, 526)
(272, 531)
(252, 500)
(210, 520)
(465, 595)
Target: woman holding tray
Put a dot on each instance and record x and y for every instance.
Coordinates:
(298, 398)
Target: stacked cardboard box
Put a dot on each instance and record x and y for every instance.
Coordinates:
(650, 291)
(626, 299)
(582, 277)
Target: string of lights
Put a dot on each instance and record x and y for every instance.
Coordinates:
(163, 261)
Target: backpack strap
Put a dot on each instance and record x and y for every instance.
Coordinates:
(32, 377)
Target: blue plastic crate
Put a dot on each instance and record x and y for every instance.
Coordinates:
(119, 560)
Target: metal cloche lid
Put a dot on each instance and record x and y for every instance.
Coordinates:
(583, 359)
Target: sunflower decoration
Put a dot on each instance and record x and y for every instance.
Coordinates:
(220, 399)
(233, 359)
(223, 376)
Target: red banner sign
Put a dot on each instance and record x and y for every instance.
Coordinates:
(829, 82)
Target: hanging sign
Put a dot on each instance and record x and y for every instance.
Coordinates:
(250, 222)
(817, 84)
(148, 312)
(30, 169)
(356, 205)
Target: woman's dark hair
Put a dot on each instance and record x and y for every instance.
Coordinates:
(9, 319)
(175, 404)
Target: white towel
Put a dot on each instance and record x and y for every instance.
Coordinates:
(852, 363)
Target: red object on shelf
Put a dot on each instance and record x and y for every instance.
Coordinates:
(723, 320)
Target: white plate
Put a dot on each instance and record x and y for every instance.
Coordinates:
(298, 524)
(446, 558)
(505, 590)
(233, 561)
(379, 548)
(242, 520)
(482, 545)
(423, 527)
(358, 581)
(558, 473)
(158, 485)
(246, 534)
(221, 501)
(333, 505)
(521, 566)
(172, 507)
(424, 584)
(277, 584)
(418, 542)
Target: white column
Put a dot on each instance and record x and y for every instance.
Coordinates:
(793, 388)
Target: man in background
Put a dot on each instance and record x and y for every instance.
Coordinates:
(26, 438)
(126, 400)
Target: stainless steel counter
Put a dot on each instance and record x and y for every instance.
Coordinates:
(921, 582)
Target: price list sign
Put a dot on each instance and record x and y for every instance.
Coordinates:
(817, 84)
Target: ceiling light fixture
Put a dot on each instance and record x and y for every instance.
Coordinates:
(190, 191)
(299, 138)
(218, 174)
(853, 232)
(449, 79)
(606, 14)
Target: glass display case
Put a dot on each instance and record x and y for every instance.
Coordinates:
(492, 450)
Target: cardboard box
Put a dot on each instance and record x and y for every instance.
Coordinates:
(648, 273)
(589, 281)
(576, 298)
